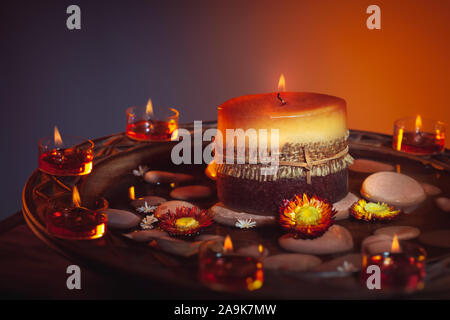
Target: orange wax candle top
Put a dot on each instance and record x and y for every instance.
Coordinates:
(300, 117)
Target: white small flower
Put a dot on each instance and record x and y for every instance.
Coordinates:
(140, 171)
(245, 223)
(347, 267)
(146, 208)
(148, 221)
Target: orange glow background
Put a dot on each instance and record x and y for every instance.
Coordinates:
(398, 71)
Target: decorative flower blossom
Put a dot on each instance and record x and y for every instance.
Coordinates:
(347, 267)
(185, 221)
(245, 223)
(371, 211)
(146, 208)
(140, 171)
(306, 217)
(148, 221)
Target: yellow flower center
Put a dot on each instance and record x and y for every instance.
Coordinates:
(186, 223)
(376, 208)
(306, 215)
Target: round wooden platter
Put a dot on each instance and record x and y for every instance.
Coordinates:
(115, 158)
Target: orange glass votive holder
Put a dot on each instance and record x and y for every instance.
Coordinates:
(419, 136)
(159, 125)
(237, 269)
(72, 157)
(401, 269)
(76, 222)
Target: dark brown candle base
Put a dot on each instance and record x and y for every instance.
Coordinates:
(265, 198)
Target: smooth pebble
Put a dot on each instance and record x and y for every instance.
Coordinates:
(342, 206)
(402, 232)
(166, 177)
(430, 189)
(253, 251)
(353, 263)
(393, 188)
(151, 201)
(191, 193)
(172, 206)
(443, 203)
(229, 217)
(121, 219)
(146, 235)
(336, 239)
(178, 247)
(370, 166)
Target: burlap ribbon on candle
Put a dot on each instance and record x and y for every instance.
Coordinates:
(296, 160)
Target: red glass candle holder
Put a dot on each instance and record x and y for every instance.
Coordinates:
(419, 136)
(158, 125)
(230, 270)
(66, 220)
(71, 157)
(401, 268)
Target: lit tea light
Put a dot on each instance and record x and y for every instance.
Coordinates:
(131, 193)
(148, 124)
(228, 267)
(419, 136)
(69, 217)
(402, 264)
(69, 157)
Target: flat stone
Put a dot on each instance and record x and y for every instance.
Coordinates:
(342, 206)
(443, 204)
(171, 205)
(121, 219)
(229, 217)
(165, 177)
(253, 251)
(430, 189)
(191, 193)
(208, 237)
(347, 263)
(178, 247)
(336, 239)
(291, 262)
(370, 166)
(151, 201)
(146, 235)
(393, 188)
(438, 238)
(402, 232)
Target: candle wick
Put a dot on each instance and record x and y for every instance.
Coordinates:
(281, 99)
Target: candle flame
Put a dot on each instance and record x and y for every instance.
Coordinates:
(418, 122)
(282, 84)
(149, 109)
(174, 136)
(260, 248)
(395, 245)
(399, 139)
(57, 135)
(227, 245)
(131, 193)
(76, 197)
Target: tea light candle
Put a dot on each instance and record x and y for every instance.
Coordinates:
(66, 218)
(402, 264)
(225, 266)
(57, 159)
(419, 136)
(146, 124)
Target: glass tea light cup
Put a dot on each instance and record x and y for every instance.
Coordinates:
(401, 264)
(420, 136)
(65, 156)
(70, 217)
(146, 124)
(231, 265)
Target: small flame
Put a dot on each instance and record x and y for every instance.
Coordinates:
(260, 248)
(76, 197)
(149, 109)
(418, 123)
(174, 136)
(131, 193)
(399, 139)
(58, 140)
(282, 84)
(227, 245)
(395, 245)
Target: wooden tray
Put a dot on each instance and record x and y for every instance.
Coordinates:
(115, 158)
